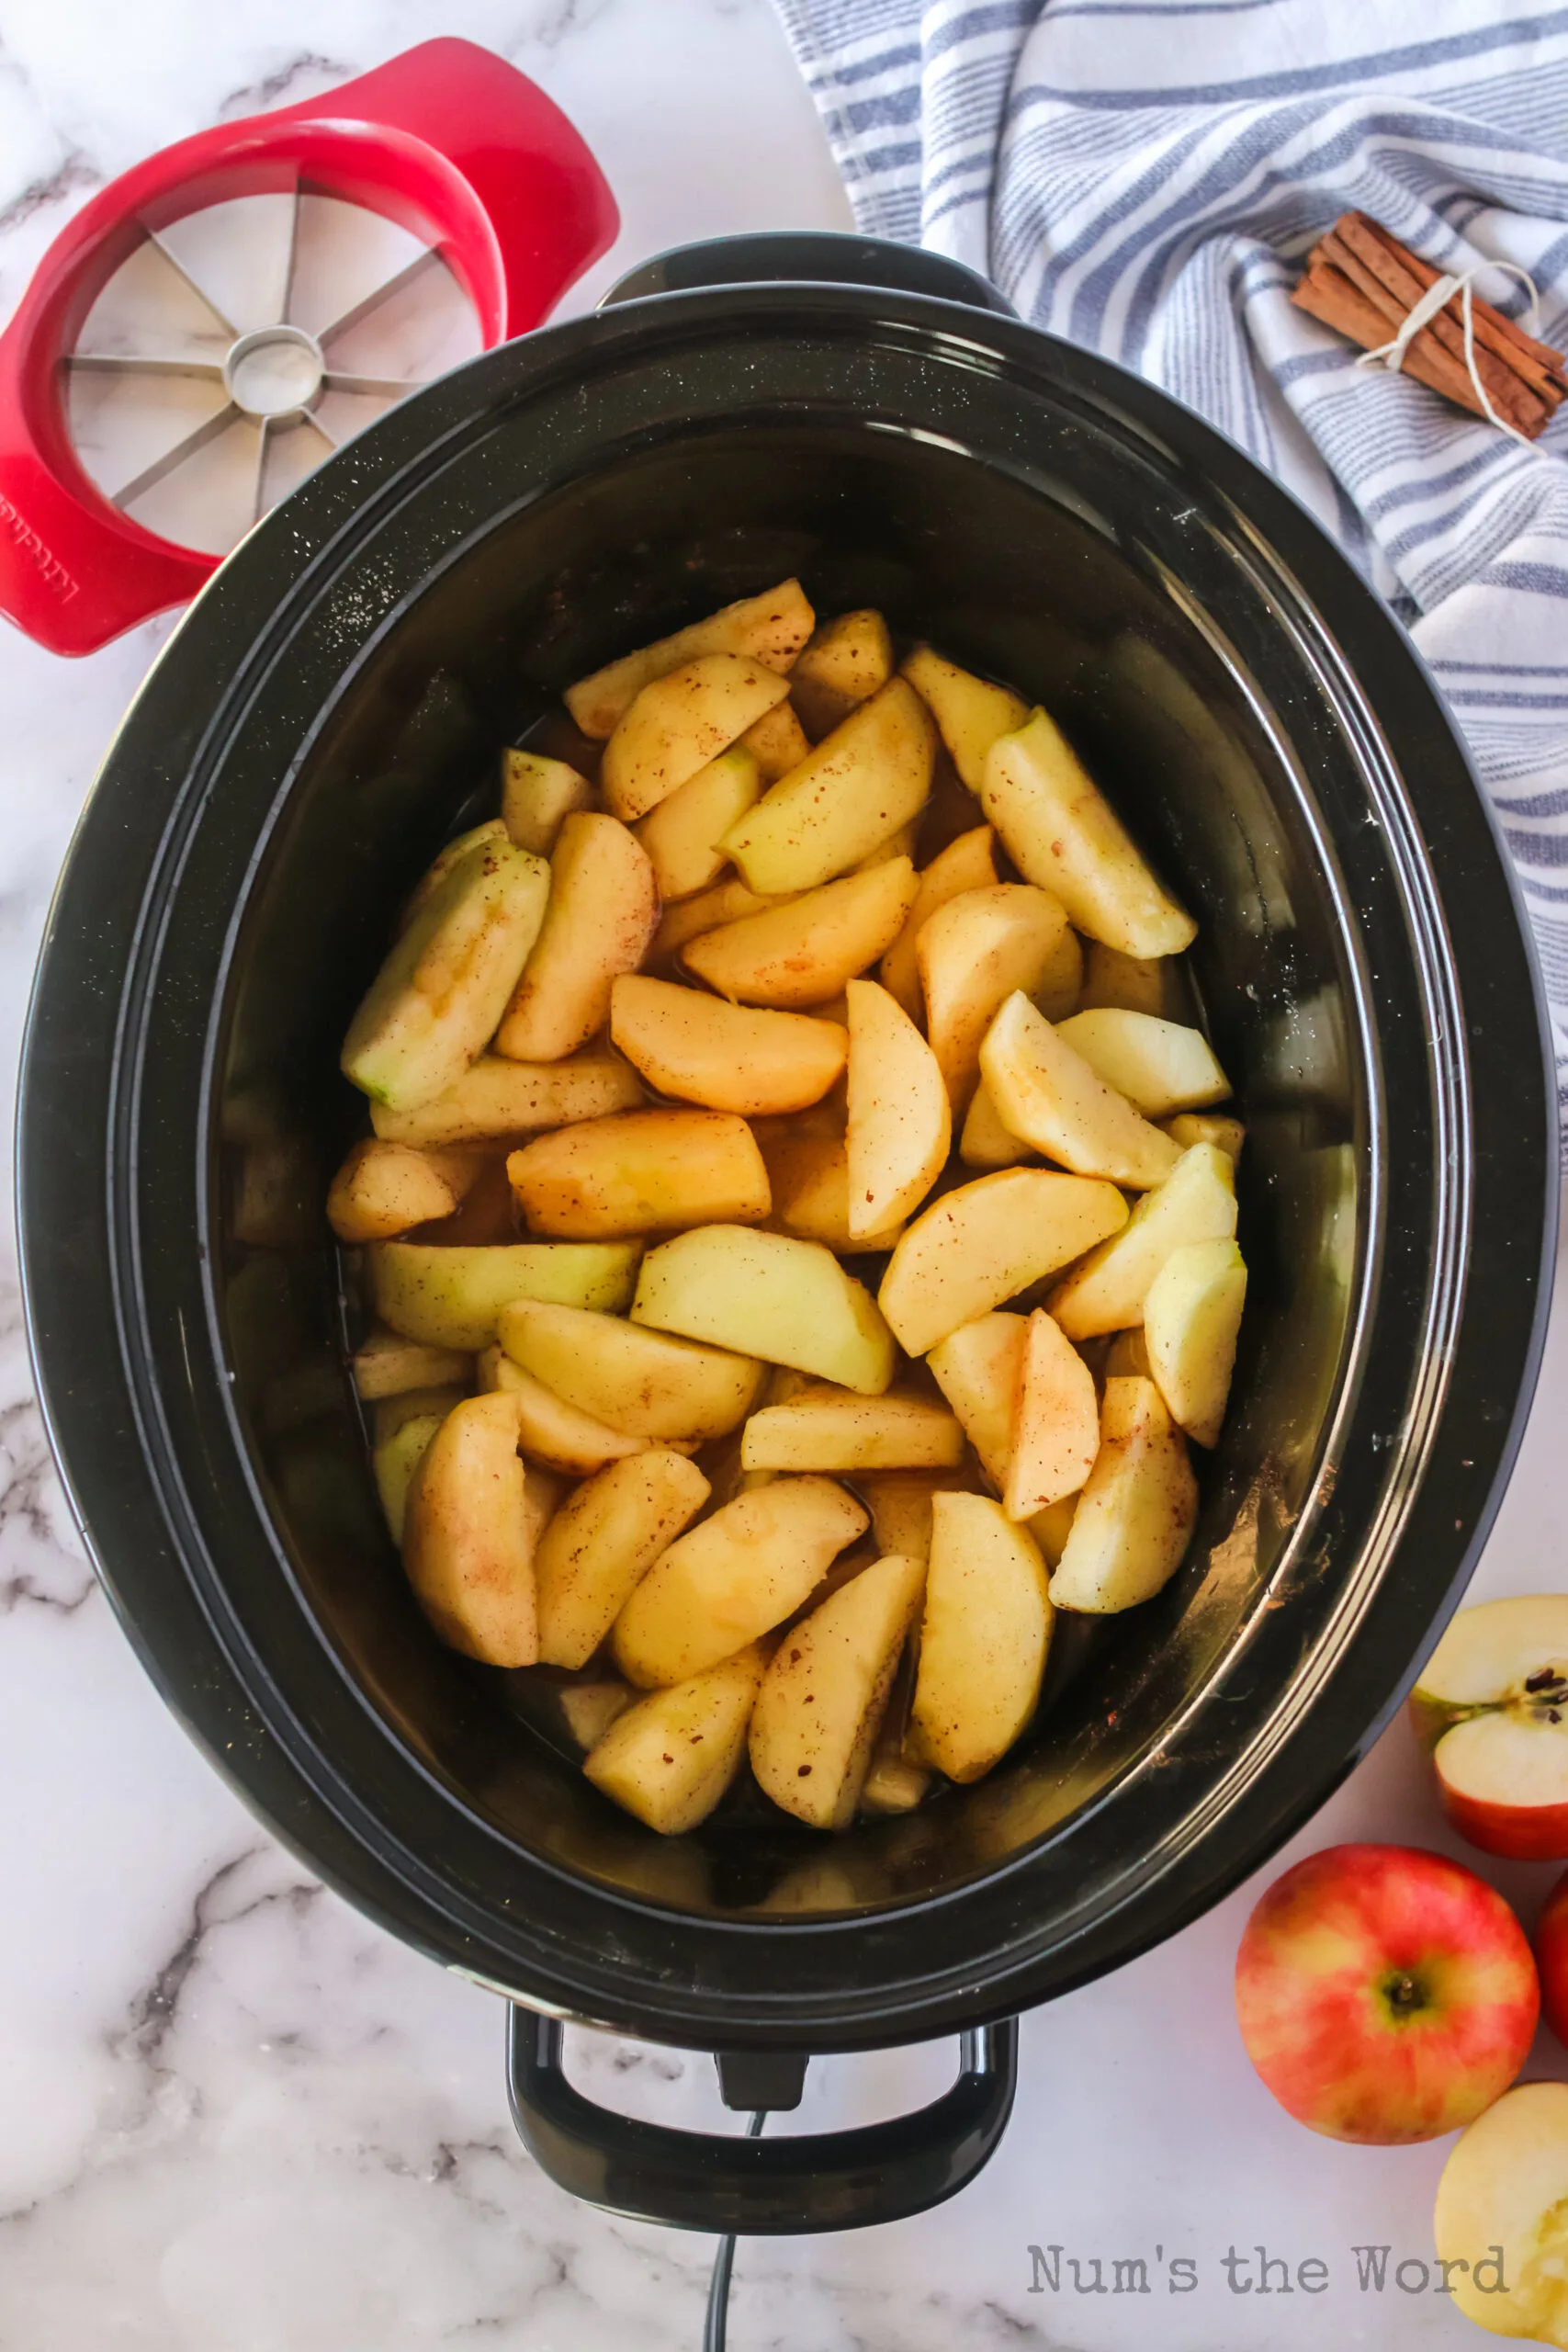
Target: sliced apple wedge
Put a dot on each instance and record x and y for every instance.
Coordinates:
(770, 1295)
(899, 1124)
(1107, 1292)
(777, 741)
(1160, 1066)
(1062, 832)
(434, 1005)
(808, 1168)
(970, 712)
(979, 1246)
(900, 1506)
(383, 1189)
(968, 862)
(986, 1142)
(1156, 984)
(643, 1382)
(1191, 1317)
(864, 781)
(724, 1056)
(1188, 1128)
(680, 835)
(1492, 1703)
(447, 1297)
(670, 1758)
(537, 795)
(602, 1542)
(834, 1430)
(552, 1432)
(801, 954)
(385, 1364)
(498, 1101)
(678, 723)
(1056, 1424)
(823, 1698)
(974, 953)
(642, 1171)
(979, 1369)
(467, 1543)
(1135, 1515)
(726, 901)
(770, 628)
(984, 1636)
(734, 1577)
(843, 660)
(604, 904)
(1046, 1093)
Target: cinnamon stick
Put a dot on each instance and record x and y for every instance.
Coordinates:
(1363, 283)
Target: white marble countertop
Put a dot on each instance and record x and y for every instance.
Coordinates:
(233, 2116)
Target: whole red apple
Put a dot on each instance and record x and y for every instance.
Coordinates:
(1384, 1994)
(1551, 1958)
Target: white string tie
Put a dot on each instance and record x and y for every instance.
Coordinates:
(1437, 297)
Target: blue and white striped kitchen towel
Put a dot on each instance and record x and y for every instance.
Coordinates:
(1143, 177)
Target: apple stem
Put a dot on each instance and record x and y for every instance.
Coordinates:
(1403, 1995)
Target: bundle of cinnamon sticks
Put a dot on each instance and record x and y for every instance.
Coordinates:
(1362, 282)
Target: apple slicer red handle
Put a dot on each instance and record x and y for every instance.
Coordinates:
(449, 140)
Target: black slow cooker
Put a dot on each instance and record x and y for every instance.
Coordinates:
(328, 714)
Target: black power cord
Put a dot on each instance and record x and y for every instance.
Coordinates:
(716, 2328)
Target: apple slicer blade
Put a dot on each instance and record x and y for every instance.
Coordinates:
(235, 349)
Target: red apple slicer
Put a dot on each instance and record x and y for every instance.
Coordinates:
(213, 324)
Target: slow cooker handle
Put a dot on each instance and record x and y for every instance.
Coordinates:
(815, 256)
(700, 2180)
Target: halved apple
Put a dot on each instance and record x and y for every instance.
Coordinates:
(1492, 1703)
(1047, 1093)
(1501, 2219)
(899, 1124)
